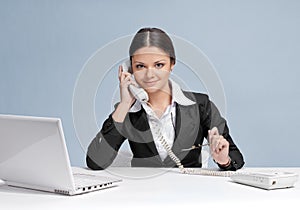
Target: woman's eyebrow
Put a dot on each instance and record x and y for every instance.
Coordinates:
(138, 62)
(163, 60)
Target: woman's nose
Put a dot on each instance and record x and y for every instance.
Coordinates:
(150, 72)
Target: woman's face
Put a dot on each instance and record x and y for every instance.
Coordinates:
(151, 68)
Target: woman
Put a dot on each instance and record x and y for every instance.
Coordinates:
(169, 129)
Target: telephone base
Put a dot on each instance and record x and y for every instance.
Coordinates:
(266, 180)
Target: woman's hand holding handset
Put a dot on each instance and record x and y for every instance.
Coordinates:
(126, 98)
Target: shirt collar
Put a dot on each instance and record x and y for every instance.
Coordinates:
(177, 96)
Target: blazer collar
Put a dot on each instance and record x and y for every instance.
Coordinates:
(177, 96)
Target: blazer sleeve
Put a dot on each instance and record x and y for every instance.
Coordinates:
(211, 117)
(104, 147)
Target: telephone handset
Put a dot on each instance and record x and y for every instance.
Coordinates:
(139, 93)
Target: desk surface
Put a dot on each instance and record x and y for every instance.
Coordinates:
(156, 187)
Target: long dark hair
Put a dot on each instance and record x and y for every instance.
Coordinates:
(152, 37)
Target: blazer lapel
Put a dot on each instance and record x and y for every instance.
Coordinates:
(186, 130)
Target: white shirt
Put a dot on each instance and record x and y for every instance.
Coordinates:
(166, 123)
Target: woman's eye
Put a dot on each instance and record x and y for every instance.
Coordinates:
(159, 65)
(139, 66)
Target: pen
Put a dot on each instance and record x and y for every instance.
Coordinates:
(195, 147)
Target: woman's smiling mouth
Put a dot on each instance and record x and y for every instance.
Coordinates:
(150, 83)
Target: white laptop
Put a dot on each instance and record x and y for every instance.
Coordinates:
(33, 154)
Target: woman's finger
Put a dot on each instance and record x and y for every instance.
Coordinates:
(214, 131)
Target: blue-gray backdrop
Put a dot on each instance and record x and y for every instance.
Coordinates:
(253, 45)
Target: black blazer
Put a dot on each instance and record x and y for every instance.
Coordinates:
(192, 125)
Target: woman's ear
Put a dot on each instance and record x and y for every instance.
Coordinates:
(172, 66)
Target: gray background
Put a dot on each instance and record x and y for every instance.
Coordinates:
(253, 45)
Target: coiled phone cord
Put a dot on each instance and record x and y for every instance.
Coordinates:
(169, 150)
(167, 146)
(178, 162)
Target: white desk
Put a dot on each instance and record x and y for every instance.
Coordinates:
(148, 188)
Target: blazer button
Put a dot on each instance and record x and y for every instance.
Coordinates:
(235, 164)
